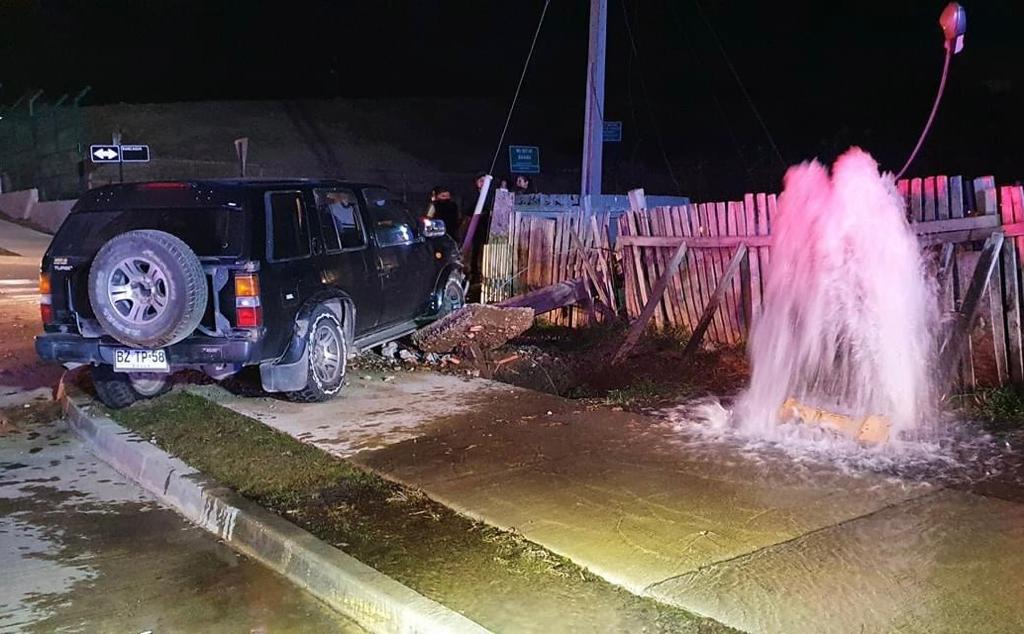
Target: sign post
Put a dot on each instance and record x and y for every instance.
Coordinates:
(242, 152)
(120, 154)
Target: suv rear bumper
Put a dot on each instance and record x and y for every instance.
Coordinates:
(191, 351)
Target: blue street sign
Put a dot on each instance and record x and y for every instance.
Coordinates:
(612, 132)
(524, 159)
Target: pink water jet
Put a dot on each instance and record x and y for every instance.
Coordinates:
(850, 318)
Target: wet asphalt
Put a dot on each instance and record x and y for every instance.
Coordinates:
(83, 550)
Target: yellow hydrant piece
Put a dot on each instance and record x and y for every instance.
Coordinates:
(873, 429)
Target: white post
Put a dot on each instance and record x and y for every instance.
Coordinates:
(593, 126)
(467, 242)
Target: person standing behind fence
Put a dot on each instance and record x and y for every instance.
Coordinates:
(523, 185)
(443, 208)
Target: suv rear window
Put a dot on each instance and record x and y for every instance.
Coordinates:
(209, 232)
(287, 226)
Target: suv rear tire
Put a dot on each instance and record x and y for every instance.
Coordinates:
(118, 390)
(147, 288)
(327, 350)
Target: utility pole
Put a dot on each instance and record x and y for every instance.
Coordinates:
(593, 126)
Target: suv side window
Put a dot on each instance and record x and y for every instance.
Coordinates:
(392, 223)
(287, 226)
(339, 219)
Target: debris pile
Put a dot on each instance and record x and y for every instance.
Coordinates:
(474, 328)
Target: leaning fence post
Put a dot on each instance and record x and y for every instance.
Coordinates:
(724, 283)
(959, 330)
(652, 303)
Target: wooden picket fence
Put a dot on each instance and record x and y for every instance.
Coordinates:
(951, 216)
(541, 251)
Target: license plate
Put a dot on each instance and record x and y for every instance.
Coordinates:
(133, 360)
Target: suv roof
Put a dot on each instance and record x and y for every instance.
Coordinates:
(191, 193)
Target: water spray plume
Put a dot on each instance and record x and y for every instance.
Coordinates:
(850, 316)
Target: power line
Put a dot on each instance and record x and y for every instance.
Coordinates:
(519, 86)
(699, 61)
(647, 98)
(739, 82)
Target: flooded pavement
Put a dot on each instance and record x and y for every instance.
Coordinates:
(82, 550)
(751, 538)
(377, 410)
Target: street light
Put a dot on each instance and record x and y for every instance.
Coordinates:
(954, 24)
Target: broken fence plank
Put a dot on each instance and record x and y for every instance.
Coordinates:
(953, 343)
(716, 300)
(588, 267)
(637, 328)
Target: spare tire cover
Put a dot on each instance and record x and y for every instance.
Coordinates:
(147, 288)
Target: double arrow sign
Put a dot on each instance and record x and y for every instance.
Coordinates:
(119, 153)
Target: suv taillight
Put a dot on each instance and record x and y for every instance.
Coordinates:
(248, 310)
(45, 298)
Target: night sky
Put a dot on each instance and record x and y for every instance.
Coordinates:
(823, 75)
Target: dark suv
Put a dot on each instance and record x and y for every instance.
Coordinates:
(292, 275)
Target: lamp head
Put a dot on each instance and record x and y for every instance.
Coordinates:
(954, 24)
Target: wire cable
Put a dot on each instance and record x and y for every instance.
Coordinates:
(647, 99)
(699, 62)
(739, 82)
(931, 117)
(519, 86)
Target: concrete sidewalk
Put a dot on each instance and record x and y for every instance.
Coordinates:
(756, 542)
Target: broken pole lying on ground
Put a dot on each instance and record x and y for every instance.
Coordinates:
(724, 283)
(657, 293)
(549, 298)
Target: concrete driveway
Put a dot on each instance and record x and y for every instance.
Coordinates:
(755, 541)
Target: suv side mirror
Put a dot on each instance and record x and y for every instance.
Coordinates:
(433, 228)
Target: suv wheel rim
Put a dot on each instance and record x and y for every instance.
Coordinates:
(137, 290)
(454, 298)
(147, 383)
(327, 362)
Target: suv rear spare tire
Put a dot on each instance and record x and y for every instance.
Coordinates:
(147, 288)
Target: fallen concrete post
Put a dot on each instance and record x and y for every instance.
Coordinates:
(549, 298)
(486, 327)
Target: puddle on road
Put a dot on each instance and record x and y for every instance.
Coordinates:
(82, 550)
(960, 455)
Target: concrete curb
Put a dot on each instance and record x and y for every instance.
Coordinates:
(375, 601)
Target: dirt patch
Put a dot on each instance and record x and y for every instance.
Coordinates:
(576, 363)
(22, 418)
(497, 578)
